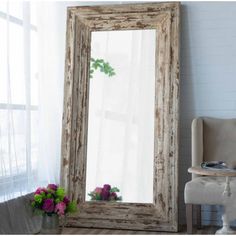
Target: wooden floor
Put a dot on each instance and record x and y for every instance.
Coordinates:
(204, 230)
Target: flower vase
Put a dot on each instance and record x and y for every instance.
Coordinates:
(50, 224)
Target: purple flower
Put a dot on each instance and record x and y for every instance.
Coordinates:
(60, 208)
(66, 200)
(107, 187)
(48, 205)
(52, 187)
(105, 194)
(113, 196)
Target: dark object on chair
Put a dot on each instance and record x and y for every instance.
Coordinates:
(214, 165)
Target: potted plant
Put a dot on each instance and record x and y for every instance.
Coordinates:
(105, 193)
(52, 202)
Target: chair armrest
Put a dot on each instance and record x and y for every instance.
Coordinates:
(197, 143)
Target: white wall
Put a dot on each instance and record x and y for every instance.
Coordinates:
(208, 74)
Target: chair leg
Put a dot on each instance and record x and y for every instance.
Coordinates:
(189, 218)
(199, 216)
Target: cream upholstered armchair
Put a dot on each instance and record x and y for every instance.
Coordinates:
(212, 140)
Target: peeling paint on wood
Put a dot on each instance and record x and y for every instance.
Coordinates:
(162, 215)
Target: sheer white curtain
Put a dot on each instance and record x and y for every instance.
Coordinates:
(32, 48)
(121, 115)
(51, 36)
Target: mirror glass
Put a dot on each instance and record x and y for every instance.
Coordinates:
(120, 150)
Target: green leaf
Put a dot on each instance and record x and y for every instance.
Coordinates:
(57, 200)
(99, 61)
(38, 198)
(98, 197)
(49, 195)
(72, 207)
(60, 193)
(33, 204)
(114, 190)
(103, 66)
(43, 194)
(119, 198)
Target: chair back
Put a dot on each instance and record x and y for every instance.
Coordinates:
(213, 139)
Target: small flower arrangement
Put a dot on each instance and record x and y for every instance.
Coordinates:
(105, 193)
(52, 200)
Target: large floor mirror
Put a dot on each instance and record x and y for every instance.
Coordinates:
(120, 121)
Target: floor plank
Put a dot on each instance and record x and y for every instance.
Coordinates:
(93, 231)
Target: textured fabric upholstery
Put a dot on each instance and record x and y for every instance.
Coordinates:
(219, 139)
(212, 140)
(16, 217)
(207, 190)
(197, 142)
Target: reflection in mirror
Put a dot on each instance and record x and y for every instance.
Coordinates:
(120, 150)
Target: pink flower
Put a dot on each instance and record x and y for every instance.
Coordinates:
(60, 208)
(52, 187)
(98, 190)
(66, 200)
(48, 205)
(40, 190)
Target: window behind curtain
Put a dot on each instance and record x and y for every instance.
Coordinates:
(18, 99)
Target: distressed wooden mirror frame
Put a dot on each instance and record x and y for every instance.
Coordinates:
(162, 215)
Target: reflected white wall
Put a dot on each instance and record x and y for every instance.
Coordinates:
(121, 115)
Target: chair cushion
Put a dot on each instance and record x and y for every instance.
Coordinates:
(207, 190)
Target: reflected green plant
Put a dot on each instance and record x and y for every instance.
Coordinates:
(100, 64)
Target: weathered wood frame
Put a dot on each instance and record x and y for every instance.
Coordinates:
(162, 215)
